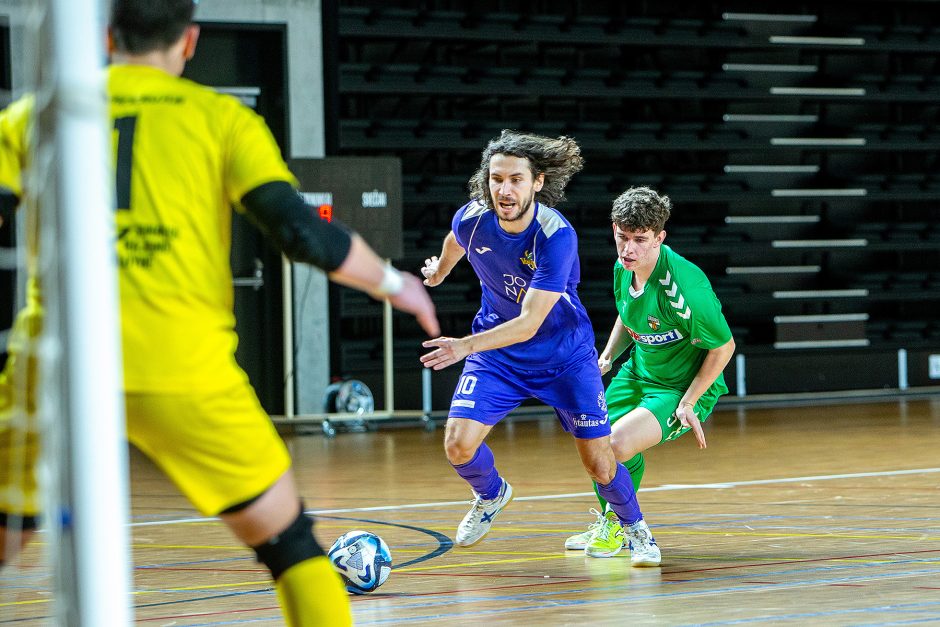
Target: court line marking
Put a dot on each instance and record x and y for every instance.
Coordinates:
(538, 599)
(546, 497)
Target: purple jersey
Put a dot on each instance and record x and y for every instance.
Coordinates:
(545, 257)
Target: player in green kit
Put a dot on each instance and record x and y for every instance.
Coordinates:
(679, 341)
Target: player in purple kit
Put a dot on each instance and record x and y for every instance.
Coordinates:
(531, 337)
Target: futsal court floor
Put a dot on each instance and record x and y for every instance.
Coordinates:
(815, 515)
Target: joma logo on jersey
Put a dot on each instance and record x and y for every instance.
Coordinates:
(654, 322)
(528, 260)
(655, 339)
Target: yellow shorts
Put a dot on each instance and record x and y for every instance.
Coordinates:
(219, 448)
(19, 450)
(18, 430)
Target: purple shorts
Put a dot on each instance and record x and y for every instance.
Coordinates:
(489, 389)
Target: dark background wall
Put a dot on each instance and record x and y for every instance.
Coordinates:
(800, 153)
(253, 56)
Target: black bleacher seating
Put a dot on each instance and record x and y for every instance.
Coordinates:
(661, 94)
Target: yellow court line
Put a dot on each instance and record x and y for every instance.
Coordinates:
(759, 560)
(33, 602)
(691, 532)
(201, 522)
(625, 554)
(794, 535)
(264, 584)
(489, 562)
(684, 532)
(206, 547)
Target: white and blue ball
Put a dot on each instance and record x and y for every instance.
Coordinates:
(362, 559)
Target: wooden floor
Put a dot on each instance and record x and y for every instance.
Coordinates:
(814, 515)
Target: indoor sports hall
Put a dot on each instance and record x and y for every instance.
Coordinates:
(798, 142)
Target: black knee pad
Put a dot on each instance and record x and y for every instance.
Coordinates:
(292, 546)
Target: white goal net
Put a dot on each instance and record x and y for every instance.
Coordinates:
(73, 416)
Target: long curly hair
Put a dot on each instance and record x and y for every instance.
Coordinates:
(641, 209)
(557, 158)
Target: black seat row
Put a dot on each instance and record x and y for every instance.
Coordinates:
(706, 30)
(801, 157)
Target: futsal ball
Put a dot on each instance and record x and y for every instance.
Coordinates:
(362, 559)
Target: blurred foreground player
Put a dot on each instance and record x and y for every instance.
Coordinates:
(184, 155)
(531, 337)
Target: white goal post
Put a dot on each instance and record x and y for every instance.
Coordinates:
(81, 353)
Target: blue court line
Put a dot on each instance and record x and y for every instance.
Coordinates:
(783, 573)
(626, 602)
(194, 562)
(930, 619)
(905, 607)
(277, 621)
(211, 597)
(731, 518)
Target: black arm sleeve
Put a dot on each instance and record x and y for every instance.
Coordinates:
(297, 231)
(8, 203)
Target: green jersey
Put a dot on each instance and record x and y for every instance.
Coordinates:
(674, 320)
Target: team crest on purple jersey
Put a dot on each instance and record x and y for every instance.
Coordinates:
(528, 259)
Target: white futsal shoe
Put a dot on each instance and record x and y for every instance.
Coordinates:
(643, 549)
(479, 519)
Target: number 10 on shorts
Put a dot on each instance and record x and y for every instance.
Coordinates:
(466, 384)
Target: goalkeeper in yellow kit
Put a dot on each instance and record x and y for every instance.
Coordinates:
(184, 155)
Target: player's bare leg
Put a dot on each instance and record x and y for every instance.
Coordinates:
(12, 542)
(462, 439)
(635, 432)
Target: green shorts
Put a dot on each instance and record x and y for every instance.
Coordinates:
(626, 392)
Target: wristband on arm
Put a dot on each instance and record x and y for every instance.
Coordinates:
(392, 283)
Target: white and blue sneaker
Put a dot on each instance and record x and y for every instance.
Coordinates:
(479, 519)
(643, 549)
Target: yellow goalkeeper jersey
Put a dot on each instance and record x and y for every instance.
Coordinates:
(16, 126)
(184, 156)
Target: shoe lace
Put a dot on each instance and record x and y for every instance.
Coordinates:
(641, 537)
(594, 526)
(597, 523)
(605, 530)
(477, 505)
